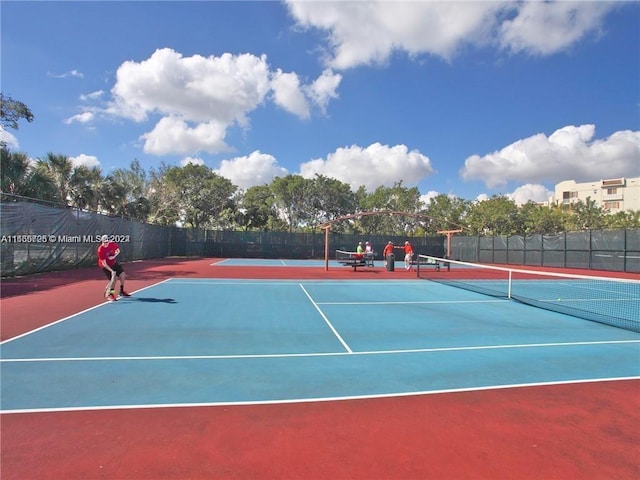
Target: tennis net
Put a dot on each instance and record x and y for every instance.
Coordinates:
(612, 301)
(344, 256)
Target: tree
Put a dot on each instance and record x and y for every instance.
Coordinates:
(58, 169)
(328, 199)
(290, 196)
(541, 219)
(587, 215)
(256, 208)
(446, 213)
(133, 186)
(11, 111)
(203, 197)
(19, 177)
(84, 187)
(396, 198)
(621, 220)
(164, 209)
(495, 216)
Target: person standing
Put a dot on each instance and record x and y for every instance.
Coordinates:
(359, 252)
(368, 254)
(408, 256)
(107, 260)
(388, 250)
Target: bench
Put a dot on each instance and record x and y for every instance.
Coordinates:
(434, 264)
(355, 263)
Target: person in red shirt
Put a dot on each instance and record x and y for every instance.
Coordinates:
(107, 260)
(408, 256)
(388, 250)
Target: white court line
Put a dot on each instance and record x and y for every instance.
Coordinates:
(319, 399)
(555, 300)
(335, 332)
(342, 283)
(219, 262)
(311, 355)
(72, 316)
(417, 302)
(234, 282)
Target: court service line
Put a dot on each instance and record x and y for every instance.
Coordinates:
(418, 302)
(286, 401)
(74, 315)
(335, 332)
(311, 355)
(580, 286)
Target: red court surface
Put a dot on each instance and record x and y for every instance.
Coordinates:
(571, 431)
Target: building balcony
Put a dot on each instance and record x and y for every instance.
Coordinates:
(612, 196)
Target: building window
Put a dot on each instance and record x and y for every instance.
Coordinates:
(612, 191)
(611, 205)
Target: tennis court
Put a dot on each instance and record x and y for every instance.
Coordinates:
(205, 340)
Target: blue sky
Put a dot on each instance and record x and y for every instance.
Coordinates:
(470, 99)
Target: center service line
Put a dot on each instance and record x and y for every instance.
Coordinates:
(335, 332)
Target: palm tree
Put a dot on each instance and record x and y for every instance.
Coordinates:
(19, 177)
(84, 187)
(58, 169)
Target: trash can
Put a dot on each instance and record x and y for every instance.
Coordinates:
(391, 262)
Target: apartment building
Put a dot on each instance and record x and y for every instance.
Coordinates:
(613, 195)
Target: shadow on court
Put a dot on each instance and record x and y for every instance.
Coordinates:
(152, 300)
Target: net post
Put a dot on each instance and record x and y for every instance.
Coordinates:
(326, 247)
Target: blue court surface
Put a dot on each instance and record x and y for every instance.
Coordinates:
(214, 341)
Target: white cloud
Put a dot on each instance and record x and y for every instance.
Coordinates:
(360, 33)
(426, 197)
(251, 170)
(545, 28)
(530, 192)
(191, 161)
(195, 88)
(71, 73)
(8, 138)
(288, 95)
(174, 135)
(84, 117)
(372, 166)
(88, 161)
(92, 96)
(570, 153)
(199, 98)
(323, 89)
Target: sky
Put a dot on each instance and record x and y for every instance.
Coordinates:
(470, 99)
